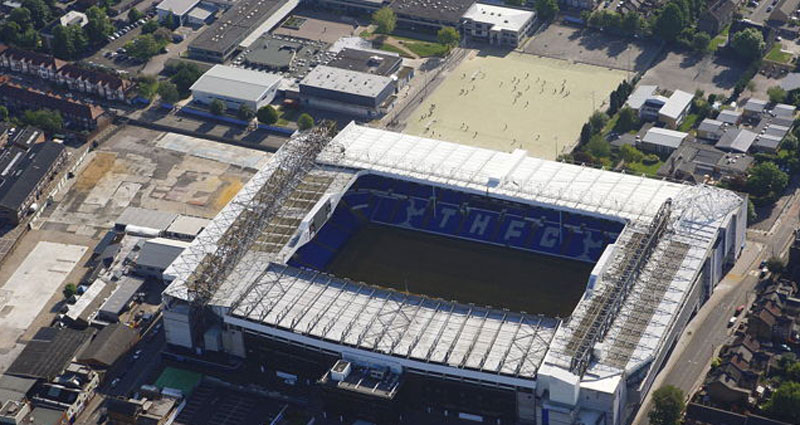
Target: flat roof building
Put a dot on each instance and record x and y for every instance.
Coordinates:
(730, 116)
(236, 87)
(711, 129)
(25, 175)
(754, 107)
(351, 92)
(370, 62)
(674, 111)
(784, 111)
(120, 299)
(156, 255)
(179, 8)
(186, 227)
(736, 140)
(143, 218)
(662, 140)
(497, 24)
(640, 95)
(766, 143)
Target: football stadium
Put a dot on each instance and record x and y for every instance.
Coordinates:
(413, 280)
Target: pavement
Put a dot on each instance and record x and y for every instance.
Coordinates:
(708, 330)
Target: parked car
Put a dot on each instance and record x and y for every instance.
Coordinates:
(731, 321)
(739, 309)
(114, 382)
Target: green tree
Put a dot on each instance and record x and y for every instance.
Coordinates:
(245, 113)
(163, 36)
(143, 47)
(22, 16)
(99, 26)
(775, 265)
(40, 12)
(448, 36)
(752, 215)
(598, 147)
(700, 42)
(598, 120)
(217, 107)
(385, 20)
(185, 76)
(69, 290)
(670, 22)
(632, 23)
(776, 94)
(9, 31)
(62, 44)
(3, 113)
(267, 115)
(171, 22)
(748, 44)
(169, 93)
(785, 403)
(668, 405)
(586, 133)
(547, 9)
(47, 120)
(147, 87)
(630, 154)
(627, 120)
(766, 179)
(515, 2)
(305, 121)
(150, 26)
(29, 38)
(134, 15)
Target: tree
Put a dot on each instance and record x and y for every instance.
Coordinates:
(147, 87)
(134, 15)
(766, 179)
(670, 22)
(632, 23)
(143, 47)
(9, 31)
(448, 36)
(150, 26)
(700, 42)
(305, 121)
(217, 107)
(267, 115)
(47, 120)
(168, 92)
(748, 44)
(547, 9)
(29, 38)
(668, 405)
(62, 44)
(3, 113)
(627, 120)
(69, 290)
(22, 16)
(598, 120)
(515, 2)
(630, 154)
(598, 147)
(40, 12)
(775, 264)
(776, 94)
(785, 402)
(752, 215)
(586, 133)
(185, 74)
(171, 22)
(163, 36)
(245, 113)
(385, 20)
(99, 26)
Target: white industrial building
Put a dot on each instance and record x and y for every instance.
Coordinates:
(593, 367)
(498, 25)
(236, 87)
(179, 8)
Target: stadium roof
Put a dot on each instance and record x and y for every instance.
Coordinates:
(236, 83)
(263, 294)
(500, 18)
(346, 81)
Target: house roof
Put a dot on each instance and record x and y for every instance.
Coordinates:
(676, 104)
(49, 352)
(39, 99)
(94, 77)
(729, 116)
(17, 184)
(236, 83)
(710, 125)
(755, 105)
(737, 140)
(111, 343)
(784, 110)
(35, 58)
(664, 137)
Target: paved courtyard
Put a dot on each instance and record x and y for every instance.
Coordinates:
(710, 73)
(514, 101)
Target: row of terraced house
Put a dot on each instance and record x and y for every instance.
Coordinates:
(73, 77)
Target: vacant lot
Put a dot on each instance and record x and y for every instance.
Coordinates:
(514, 101)
(161, 171)
(593, 48)
(689, 73)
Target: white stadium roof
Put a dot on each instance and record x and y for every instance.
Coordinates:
(263, 294)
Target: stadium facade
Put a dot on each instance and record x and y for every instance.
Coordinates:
(252, 284)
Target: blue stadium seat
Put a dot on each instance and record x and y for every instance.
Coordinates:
(550, 215)
(545, 239)
(386, 209)
(513, 231)
(313, 256)
(450, 196)
(411, 213)
(480, 225)
(445, 219)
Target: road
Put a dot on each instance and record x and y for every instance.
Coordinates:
(708, 330)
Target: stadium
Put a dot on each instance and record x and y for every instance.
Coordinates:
(413, 280)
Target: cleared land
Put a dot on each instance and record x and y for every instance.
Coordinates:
(592, 47)
(712, 74)
(149, 169)
(469, 272)
(515, 101)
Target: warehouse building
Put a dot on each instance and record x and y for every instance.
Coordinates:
(368, 61)
(143, 220)
(179, 8)
(736, 140)
(674, 111)
(120, 299)
(156, 255)
(350, 92)
(498, 25)
(236, 87)
(661, 140)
